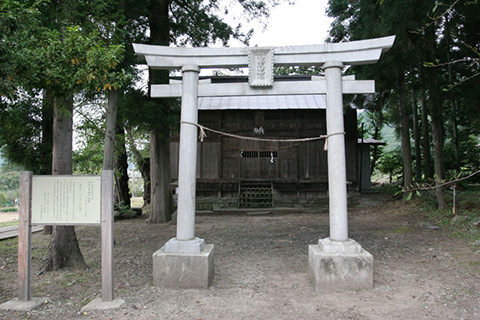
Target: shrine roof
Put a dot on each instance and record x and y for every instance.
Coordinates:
(316, 101)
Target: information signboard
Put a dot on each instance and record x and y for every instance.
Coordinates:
(66, 200)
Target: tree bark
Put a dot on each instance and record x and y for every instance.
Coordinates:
(438, 161)
(47, 130)
(122, 190)
(456, 147)
(426, 138)
(159, 137)
(160, 179)
(47, 137)
(405, 143)
(111, 124)
(435, 104)
(143, 164)
(376, 134)
(63, 250)
(416, 137)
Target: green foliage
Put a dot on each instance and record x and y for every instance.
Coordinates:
(392, 189)
(9, 181)
(9, 184)
(199, 23)
(391, 163)
(20, 133)
(469, 155)
(66, 60)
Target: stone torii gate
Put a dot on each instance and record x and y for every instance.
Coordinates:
(336, 262)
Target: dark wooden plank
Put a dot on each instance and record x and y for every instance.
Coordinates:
(12, 232)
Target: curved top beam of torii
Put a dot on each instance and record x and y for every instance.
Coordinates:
(350, 53)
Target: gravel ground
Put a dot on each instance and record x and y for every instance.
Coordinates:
(261, 270)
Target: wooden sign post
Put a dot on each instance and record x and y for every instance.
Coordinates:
(64, 200)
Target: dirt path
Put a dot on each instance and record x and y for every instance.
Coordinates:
(8, 216)
(261, 270)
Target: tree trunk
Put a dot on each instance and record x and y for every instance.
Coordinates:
(160, 179)
(63, 250)
(435, 103)
(159, 137)
(111, 124)
(376, 134)
(143, 164)
(47, 130)
(416, 137)
(438, 161)
(145, 172)
(456, 149)
(405, 137)
(122, 190)
(426, 138)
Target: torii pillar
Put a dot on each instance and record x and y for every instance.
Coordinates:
(186, 261)
(336, 262)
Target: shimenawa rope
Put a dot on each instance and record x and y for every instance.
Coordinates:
(203, 135)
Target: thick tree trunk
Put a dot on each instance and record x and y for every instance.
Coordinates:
(159, 137)
(426, 138)
(47, 136)
(405, 143)
(416, 137)
(160, 179)
(63, 250)
(111, 124)
(122, 190)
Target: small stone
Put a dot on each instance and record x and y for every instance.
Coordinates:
(458, 220)
(476, 223)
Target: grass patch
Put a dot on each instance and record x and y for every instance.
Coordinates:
(464, 224)
(388, 188)
(474, 263)
(8, 224)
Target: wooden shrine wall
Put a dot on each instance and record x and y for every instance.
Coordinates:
(293, 167)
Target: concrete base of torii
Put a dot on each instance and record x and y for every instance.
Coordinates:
(340, 266)
(184, 264)
(19, 305)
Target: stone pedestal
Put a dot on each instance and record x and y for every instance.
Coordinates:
(183, 270)
(340, 266)
(19, 305)
(99, 304)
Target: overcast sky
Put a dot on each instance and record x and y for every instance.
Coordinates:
(305, 22)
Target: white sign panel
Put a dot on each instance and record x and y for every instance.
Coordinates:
(68, 200)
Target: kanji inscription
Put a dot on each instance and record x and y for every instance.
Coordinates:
(67, 200)
(260, 67)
